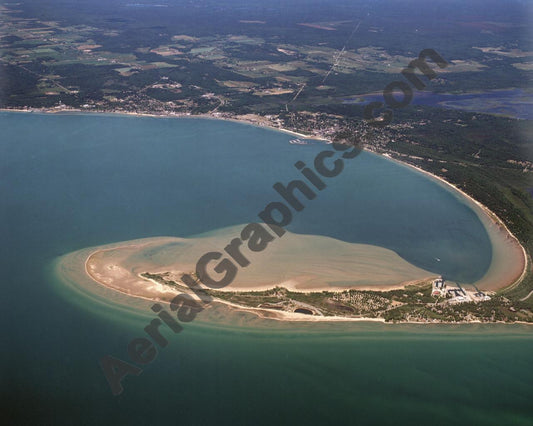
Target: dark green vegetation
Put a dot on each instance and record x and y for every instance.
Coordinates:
(488, 157)
(412, 303)
(498, 309)
(233, 369)
(247, 58)
(271, 63)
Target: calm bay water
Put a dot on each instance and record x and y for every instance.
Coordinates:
(73, 181)
(511, 102)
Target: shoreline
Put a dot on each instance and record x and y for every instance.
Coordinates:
(205, 116)
(113, 263)
(262, 313)
(486, 212)
(489, 214)
(82, 256)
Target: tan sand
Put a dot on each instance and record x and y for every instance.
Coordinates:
(297, 262)
(301, 265)
(509, 263)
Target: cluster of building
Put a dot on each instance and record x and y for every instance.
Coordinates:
(456, 294)
(439, 288)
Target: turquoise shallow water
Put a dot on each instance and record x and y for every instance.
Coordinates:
(89, 180)
(73, 181)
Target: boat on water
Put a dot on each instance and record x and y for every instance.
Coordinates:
(298, 141)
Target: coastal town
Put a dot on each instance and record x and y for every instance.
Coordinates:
(242, 212)
(293, 85)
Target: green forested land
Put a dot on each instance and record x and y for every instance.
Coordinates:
(484, 155)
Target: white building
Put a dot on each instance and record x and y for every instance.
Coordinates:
(479, 296)
(458, 295)
(439, 288)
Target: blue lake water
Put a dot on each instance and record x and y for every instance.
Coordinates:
(74, 181)
(511, 102)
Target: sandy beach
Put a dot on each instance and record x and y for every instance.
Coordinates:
(300, 263)
(510, 263)
(250, 119)
(508, 267)
(119, 266)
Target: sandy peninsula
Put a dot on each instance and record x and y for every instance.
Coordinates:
(118, 267)
(299, 263)
(302, 263)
